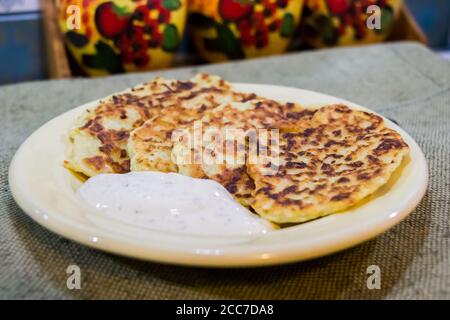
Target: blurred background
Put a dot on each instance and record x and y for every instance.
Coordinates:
(41, 39)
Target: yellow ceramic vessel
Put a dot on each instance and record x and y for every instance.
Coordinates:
(107, 37)
(346, 22)
(236, 29)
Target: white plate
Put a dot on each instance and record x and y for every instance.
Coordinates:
(46, 192)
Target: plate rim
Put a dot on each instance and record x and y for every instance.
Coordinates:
(223, 259)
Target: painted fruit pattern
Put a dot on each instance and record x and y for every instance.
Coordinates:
(342, 16)
(253, 19)
(126, 33)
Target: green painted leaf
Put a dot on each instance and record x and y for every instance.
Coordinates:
(287, 26)
(77, 39)
(229, 44)
(171, 38)
(387, 19)
(120, 11)
(171, 4)
(105, 58)
(198, 20)
(326, 30)
(212, 45)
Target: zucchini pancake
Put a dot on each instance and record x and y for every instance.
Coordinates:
(98, 142)
(339, 158)
(226, 130)
(321, 160)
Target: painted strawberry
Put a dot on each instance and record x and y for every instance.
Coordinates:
(338, 7)
(111, 19)
(233, 10)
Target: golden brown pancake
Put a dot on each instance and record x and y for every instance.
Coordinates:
(98, 142)
(340, 158)
(317, 162)
(226, 131)
(150, 145)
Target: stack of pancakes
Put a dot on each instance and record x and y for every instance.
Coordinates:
(321, 160)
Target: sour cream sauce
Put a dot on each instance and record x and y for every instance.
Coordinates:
(171, 202)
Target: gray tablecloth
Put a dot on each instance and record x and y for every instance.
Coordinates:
(405, 82)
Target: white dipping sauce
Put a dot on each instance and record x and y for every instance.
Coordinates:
(171, 202)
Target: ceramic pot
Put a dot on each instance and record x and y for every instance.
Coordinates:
(238, 29)
(345, 22)
(107, 37)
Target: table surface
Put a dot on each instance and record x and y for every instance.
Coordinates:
(403, 81)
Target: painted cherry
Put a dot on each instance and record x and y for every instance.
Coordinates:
(111, 20)
(338, 7)
(233, 10)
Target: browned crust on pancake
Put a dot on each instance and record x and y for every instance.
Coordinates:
(108, 126)
(340, 158)
(331, 158)
(250, 116)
